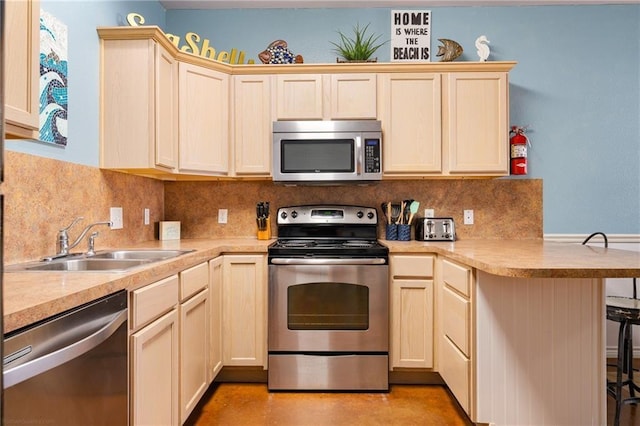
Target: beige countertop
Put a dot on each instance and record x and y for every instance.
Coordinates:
(531, 258)
(33, 296)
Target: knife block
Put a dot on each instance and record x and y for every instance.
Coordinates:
(265, 234)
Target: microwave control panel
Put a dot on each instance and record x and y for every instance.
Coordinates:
(372, 155)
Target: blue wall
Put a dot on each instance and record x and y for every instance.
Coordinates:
(577, 85)
(82, 19)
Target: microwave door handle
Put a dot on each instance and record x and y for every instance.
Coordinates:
(359, 155)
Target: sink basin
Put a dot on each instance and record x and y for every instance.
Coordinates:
(140, 254)
(104, 261)
(88, 265)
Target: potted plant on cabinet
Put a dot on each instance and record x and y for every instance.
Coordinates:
(359, 48)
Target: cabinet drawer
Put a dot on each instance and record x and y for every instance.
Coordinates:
(193, 280)
(456, 310)
(455, 369)
(148, 303)
(456, 276)
(412, 266)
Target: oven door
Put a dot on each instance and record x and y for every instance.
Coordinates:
(328, 308)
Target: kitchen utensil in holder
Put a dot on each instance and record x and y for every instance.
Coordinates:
(264, 228)
(404, 232)
(392, 231)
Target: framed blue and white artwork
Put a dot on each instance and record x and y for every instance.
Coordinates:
(53, 80)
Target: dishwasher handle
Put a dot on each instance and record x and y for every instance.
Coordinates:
(105, 328)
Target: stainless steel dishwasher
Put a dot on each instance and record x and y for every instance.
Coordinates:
(70, 369)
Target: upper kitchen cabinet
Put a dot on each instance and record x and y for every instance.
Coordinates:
(22, 69)
(326, 96)
(203, 120)
(410, 112)
(445, 124)
(170, 114)
(139, 92)
(252, 125)
(299, 97)
(476, 123)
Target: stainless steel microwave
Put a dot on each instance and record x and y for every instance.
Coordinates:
(327, 151)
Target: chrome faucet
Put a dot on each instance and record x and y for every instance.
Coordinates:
(63, 237)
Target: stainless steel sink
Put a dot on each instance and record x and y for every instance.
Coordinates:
(88, 265)
(104, 261)
(139, 254)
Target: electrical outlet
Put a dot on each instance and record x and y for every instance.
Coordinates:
(429, 213)
(468, 217)
(115, 214)
(222, 215)
(146, 216)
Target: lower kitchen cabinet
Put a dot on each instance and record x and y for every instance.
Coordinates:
(244, 310)
(456, 340)
(412, 307)
(215, 317)
(194, 337)
(154, 354)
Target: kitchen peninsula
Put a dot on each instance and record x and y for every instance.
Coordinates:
(535, 317)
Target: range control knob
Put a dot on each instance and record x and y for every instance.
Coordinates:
(360, 214)
(283, 215)
(294, 214)
(370, 215)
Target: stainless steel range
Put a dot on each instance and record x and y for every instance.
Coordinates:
(328, 300)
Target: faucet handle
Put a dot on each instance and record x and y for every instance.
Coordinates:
(92, 241)
(76, 220)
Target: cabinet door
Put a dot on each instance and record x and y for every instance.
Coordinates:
(353, 96)
(412, 323)
(166, 101)
(204, 120)
(410, 111)
(194, 351)
(252, 125)
(299, 97)
(154, 373)
(476, 120)
(456, 359)
(22, 68)
(244, 310)
(215, 315)
(138, 111)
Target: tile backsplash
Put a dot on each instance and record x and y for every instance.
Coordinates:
(44, 195)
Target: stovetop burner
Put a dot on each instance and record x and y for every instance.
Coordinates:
(334, 231)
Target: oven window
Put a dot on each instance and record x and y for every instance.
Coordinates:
(317, 156)
(328, 306)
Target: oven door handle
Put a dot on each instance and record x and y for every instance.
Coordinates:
(328, 261)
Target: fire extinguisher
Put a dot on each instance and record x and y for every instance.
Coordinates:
(519, 142)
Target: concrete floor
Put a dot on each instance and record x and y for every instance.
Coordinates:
(249, 404)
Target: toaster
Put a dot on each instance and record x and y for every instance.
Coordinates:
(435, 229)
